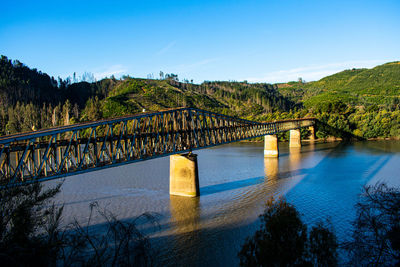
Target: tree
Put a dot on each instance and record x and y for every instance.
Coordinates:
(323, 246)
(282, 240)
(56, 115)
(92, 110)
(88, 77)
(376, 237)
(29, 226)
(74, 78)
(66, 109)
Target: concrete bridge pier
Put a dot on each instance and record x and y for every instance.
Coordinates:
(184, 175)
(312, 132)
(271, 146)
(295, 138)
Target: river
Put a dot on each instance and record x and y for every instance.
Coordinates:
(322, 180)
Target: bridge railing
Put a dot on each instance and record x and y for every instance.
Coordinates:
(68, 150)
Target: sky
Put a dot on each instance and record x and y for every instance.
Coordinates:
(258, 41)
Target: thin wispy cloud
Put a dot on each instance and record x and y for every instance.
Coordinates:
(165, 49)
(194, 66)
(112, 70)
(314, 72)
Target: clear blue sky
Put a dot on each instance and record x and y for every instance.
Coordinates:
(271, 41)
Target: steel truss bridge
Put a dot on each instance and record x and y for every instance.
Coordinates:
(79, 148)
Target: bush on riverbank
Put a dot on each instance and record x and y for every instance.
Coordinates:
(282, 240)
(376, 237)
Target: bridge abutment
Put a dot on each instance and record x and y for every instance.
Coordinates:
(271, 146)
(184, 175)
(295, 138)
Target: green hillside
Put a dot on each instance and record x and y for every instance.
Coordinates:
(132, 95)
(357, 87)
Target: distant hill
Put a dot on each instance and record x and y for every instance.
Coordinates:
(379, 85)
(131, 95)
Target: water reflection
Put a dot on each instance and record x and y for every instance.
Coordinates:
(186, 229)
(271, 168)
(311, 147)
(294, 158)
(185, 213)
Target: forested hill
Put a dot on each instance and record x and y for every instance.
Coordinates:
(19, 83)
(31, 99)
(131, 95)
(358, 87)
(359, 102)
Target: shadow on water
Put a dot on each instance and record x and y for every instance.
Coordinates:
(271, 167)
(214, 246)
(331, 189)
(270, 172)
(212, 189)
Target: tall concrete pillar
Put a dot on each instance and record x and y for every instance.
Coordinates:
(184, 175)
(295, 138)
(312, 132)
(271, 146)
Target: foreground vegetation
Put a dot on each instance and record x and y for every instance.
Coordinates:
(362, 103)
(31, 234)
(283, 239)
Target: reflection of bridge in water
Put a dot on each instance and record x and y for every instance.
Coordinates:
(74, 149)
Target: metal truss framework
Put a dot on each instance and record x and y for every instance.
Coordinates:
(69, 150)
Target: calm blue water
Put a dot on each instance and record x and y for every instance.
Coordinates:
(321, 180)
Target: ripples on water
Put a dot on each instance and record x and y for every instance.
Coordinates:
(321, 180)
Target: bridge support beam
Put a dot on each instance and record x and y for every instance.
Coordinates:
(271, 146)
(295, 138)
(312, 132)
(184, 175)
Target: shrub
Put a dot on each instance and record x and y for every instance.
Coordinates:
(376, 237)
(29, 226)
(282, 240)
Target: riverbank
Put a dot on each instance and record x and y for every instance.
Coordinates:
(327, 140)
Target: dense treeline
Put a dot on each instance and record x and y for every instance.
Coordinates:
(20, 83)
(33, 100)
(30, 99)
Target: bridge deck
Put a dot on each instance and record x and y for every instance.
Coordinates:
(73, 149)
